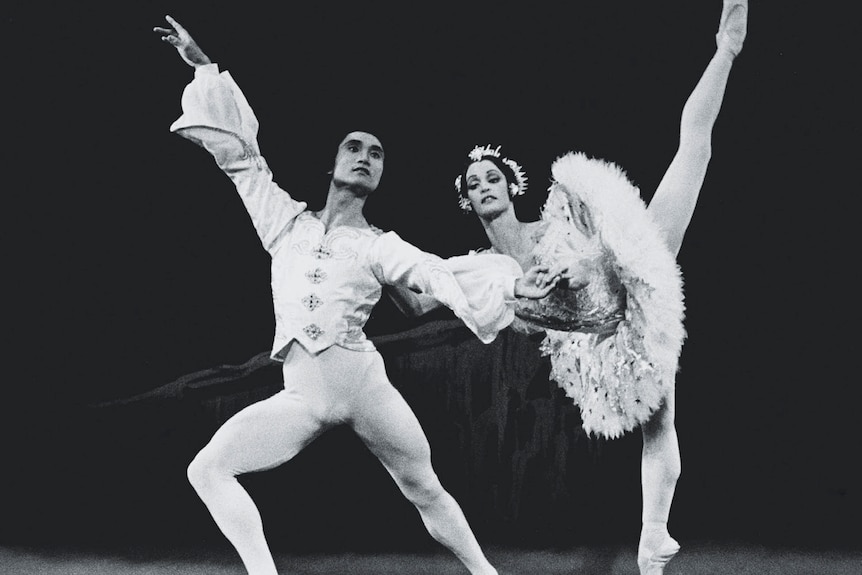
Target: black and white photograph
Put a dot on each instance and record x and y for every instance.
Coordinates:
(531, 288)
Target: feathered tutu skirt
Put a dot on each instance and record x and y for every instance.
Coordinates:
(618, 375)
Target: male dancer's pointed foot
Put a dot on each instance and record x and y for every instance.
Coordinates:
(733, 26)
(653, 561)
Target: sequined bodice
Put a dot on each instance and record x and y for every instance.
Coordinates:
(596, 307)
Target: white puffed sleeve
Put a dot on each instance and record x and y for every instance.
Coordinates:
(479, 289)
(217, 117)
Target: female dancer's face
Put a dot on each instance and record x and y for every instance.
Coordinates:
(487, 189)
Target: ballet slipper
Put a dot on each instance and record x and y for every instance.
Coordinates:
(652, 562)
(733, 26)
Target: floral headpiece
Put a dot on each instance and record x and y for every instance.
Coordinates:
(516, 188)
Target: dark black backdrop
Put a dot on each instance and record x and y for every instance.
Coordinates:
(130, 262)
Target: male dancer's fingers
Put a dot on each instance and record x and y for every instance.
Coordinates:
(180, 30)
(168, 35)
(552, 275)
(541, 274)
(559, 270)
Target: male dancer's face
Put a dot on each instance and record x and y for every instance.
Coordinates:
(359, 162)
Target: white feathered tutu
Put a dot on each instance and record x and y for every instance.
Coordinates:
(621, 362)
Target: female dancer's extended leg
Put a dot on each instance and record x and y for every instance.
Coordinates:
(673, 204)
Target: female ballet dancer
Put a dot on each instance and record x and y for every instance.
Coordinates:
(614, 327)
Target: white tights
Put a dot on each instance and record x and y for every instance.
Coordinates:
(337, 386)
(672, 207)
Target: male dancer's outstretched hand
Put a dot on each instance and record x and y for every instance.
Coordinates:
(179, 38)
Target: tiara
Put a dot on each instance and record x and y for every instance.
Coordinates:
(516, 188)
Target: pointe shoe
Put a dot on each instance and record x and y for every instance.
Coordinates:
(654, 563)
(732, 26)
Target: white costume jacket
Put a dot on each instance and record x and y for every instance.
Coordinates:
(325, 282)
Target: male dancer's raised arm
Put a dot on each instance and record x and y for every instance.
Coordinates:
(217, 117)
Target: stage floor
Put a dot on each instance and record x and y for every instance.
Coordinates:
(694, 559)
